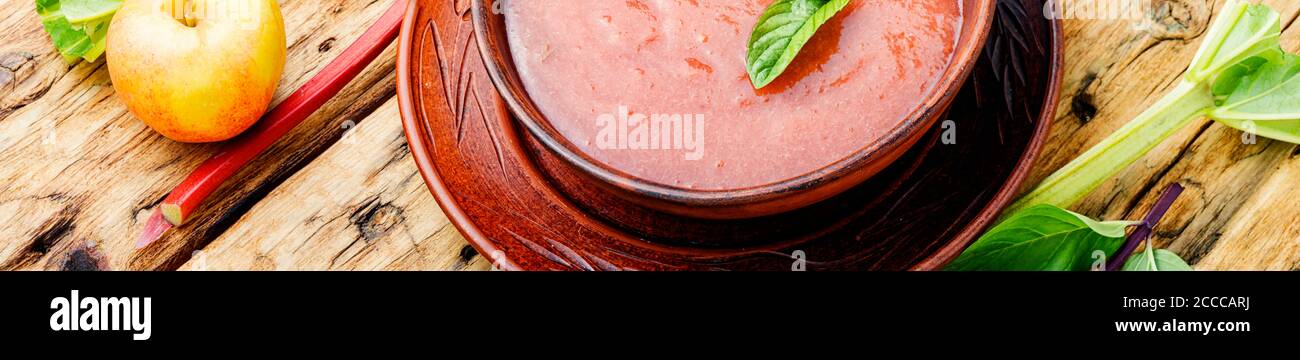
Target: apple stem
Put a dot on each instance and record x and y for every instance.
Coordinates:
(237, 153)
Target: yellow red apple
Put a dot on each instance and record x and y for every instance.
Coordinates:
(197, 70)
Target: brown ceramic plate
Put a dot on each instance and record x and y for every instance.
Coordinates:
(917, 214)
(580, 169)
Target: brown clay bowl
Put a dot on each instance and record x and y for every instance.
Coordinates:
(567, 164)
(917, 213)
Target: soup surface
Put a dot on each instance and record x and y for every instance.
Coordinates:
(658, 88)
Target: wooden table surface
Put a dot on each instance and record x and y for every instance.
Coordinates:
(79, 173)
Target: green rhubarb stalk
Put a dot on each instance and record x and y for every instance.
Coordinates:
(1240, 77)
(1186, 103)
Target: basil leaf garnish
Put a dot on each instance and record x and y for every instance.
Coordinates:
(782, 31)
(1043, 238)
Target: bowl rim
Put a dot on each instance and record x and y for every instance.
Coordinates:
(925, 115)
(1011, 188)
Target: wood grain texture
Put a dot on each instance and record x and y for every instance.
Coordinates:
(1115, 70)
(361, 205)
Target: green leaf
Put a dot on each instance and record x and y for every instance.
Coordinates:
(1241, 31)
(84, 11)
(1288, 131)
(46, 6)
(99, 41)
(84, 39)
(1231, 78)
(1043, 237)
(1258, 96)
(1158, 260)
(1262, 89)
(782, 31)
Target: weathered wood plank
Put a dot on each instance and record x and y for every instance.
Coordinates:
(1265, 233)
(1115, 70)
(80, 173)
(362, 205)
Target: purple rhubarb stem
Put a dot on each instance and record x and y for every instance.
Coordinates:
(1147, 226)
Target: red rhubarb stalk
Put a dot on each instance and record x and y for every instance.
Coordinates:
(233, 156)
